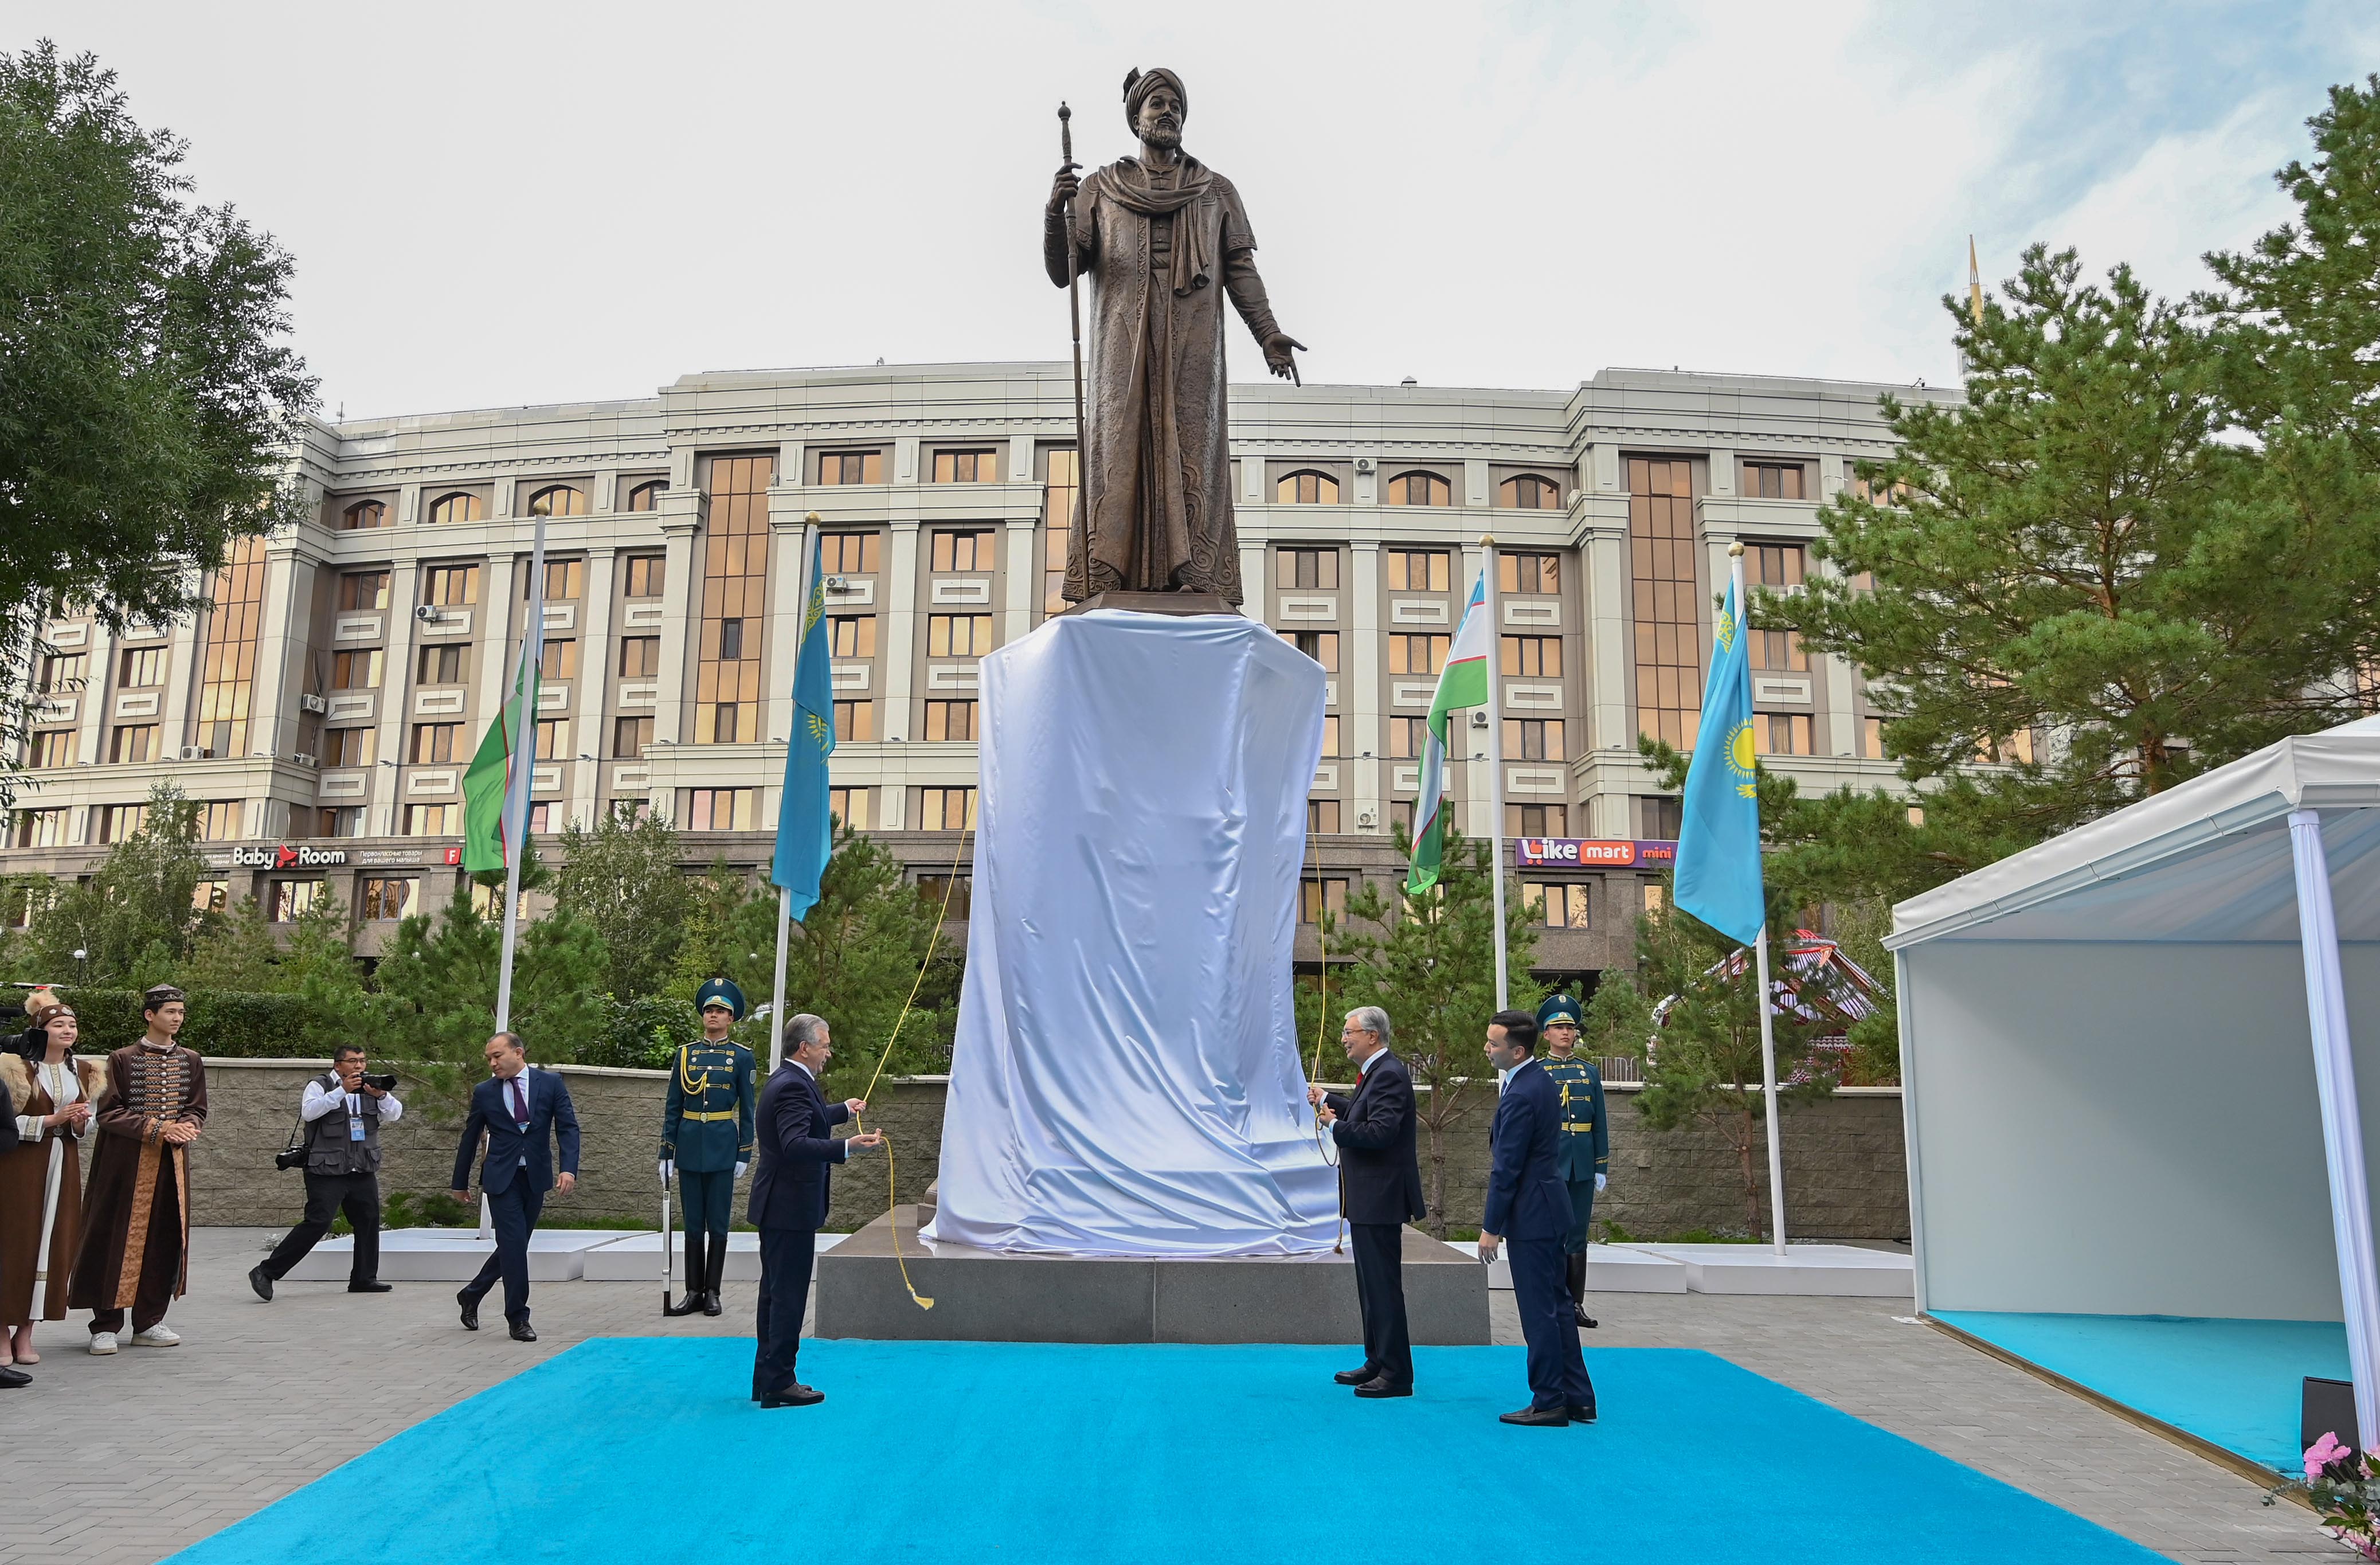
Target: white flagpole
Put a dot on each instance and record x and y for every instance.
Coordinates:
(524, 766)
(786, 897)
(1495, 765)
(1767, 1023)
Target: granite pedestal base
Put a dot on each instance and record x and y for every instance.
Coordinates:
(985, 1296)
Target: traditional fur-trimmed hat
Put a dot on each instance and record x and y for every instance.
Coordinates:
(719, 991)
(163, 994)
(46, 1005)
(1140, 84)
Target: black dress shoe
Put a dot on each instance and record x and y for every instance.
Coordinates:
(710, 1304)
(470, 1303)
(1379, 1386)
(12, 1378)
(371, 1287)
(261, 1281)
(1584, 1319)
(1581, 1414)
(796, 1395)
(1356, 1376)
(521, 1332)
(1538, 1417)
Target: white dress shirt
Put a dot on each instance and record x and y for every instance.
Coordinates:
(321, 1100)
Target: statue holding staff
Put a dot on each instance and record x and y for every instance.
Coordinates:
(1163, 238)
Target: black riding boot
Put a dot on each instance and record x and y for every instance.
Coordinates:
(717, 1266)
(1578, 1288)
(689, 1298)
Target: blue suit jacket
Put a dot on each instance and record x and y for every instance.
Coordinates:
(548, 1112)
(1526, 1198)
(797, 1151)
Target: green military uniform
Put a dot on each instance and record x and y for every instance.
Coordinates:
(706, 1134)
(1584, 1153)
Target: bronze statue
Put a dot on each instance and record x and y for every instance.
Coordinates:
(1155, 233)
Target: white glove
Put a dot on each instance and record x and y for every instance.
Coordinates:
(1599, 1183)
(667, 1169)
(740, 1168)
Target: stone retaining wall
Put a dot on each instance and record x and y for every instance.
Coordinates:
(1845, 1175)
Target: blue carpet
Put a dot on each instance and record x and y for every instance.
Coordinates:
(2233, 1382)
(645, 1449)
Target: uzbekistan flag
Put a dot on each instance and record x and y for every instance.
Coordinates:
(1462, 683)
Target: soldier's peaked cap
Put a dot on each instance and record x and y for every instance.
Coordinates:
(719, 991)
(1558, 1010)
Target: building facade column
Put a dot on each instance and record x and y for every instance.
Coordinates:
(1360, 691)
(902, 588)
(681, 610)
(396, 684)
(1024, 578)
(596, 664)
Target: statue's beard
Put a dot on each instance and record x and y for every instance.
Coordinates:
(1162, 134)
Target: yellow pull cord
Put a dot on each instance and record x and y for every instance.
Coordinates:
(1323, 1142)
(890, 1200)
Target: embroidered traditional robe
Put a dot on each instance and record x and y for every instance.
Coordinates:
(139, 1200)
(41, 1188)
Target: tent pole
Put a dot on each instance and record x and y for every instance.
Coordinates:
(1768, 1098)
(2342, 1129)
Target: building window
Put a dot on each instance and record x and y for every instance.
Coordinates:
(1330, 735)
(1656, 896)
(449, 509)
(645, 572)
(1401, 814)
(220, 820)
(227, 668)
(1662, 577)
(141, 666)
(1536, 820)
(1778, 651)
(851, 553)
(53, 748)
(1054, 544)
(1417, 653)
(119, 823)
(1321, 816)
(356, 671)
(488, 901)
(1533, 738)
(388, 897)
(63, 672)
(855, 721)
(647, 496)
(958, 636)
(1873, 492)
(1416, 570)
(950, 720)
(970, 551)
(1322, 645)
(444, 665)
(850, 466)
(720, 810)
(1661, 817)
(554, 739)
(362, 514)
(132, 744)
(1530, 657)
(1419, 489)
(558, 660)
(1406, 736)
(564, 580)
(1782, 734)
(1870, 738)
(340, 821)
(363, 590)
(558, 500)
(630, 736)
(1776, 565)
(435, 743)
(450, 586)
(966, 467)
(1557, 905)
(542, 815)
(1529, 491)
(290, 898)
(951, 896)
(1772, 480)
(640, 657)
(735, 585)
(849, 806)
(630, 811)
(211, 896)
(45, 828)
(851, 635)
(1318, 893)
(1528, 573)
(351, 747)
(432, 821)
(1303, 570)
(945, 809)
(1306, 488)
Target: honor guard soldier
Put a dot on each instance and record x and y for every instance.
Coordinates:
(706, 1139)
(1584, 1157)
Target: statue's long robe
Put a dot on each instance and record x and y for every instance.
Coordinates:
(1156, 470)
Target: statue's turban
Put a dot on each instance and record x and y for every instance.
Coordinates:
(1140, 84)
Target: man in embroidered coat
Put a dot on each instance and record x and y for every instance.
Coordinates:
(136, 1236)
(1156, 235)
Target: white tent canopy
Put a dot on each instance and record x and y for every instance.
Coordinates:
(2130, 1057)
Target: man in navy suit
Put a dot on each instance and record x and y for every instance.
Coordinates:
(799, 1152)
(1379, 1191)
(1529, 1205)
(520, 1111)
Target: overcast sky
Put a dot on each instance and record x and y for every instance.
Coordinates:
(496, 203)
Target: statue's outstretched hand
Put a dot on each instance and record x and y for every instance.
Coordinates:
(1277, 349)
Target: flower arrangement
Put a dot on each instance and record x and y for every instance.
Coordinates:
(2343, 1486)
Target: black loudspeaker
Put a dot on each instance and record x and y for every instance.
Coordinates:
(2329, 1409)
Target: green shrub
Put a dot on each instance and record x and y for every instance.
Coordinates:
(223, 1022)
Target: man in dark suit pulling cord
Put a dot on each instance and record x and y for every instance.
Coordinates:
(1379, 1183)
(798, 1151)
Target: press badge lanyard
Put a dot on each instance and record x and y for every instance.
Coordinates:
(355, 1116)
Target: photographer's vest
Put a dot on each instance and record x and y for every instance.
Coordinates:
(330, 1148)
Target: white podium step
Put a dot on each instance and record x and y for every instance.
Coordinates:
(456, 1255)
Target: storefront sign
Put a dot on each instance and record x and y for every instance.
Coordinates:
(1590, 853)
(286, 857)
(386, 857)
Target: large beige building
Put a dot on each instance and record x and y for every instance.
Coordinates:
(325, 707)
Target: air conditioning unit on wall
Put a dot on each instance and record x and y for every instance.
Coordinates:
(1369, 820)
(314, 703)
(426, 612)
(1479, 717)
(193, 752)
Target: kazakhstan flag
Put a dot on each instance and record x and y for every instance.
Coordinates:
(805, 830)
(1718, 843)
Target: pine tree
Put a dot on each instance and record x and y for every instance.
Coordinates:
(623, 877)
(443, 977)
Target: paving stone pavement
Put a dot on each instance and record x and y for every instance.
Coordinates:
(122, 1460)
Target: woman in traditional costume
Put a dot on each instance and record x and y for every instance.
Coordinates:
(41, 1182)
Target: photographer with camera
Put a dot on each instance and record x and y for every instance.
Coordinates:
(339, 1119)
